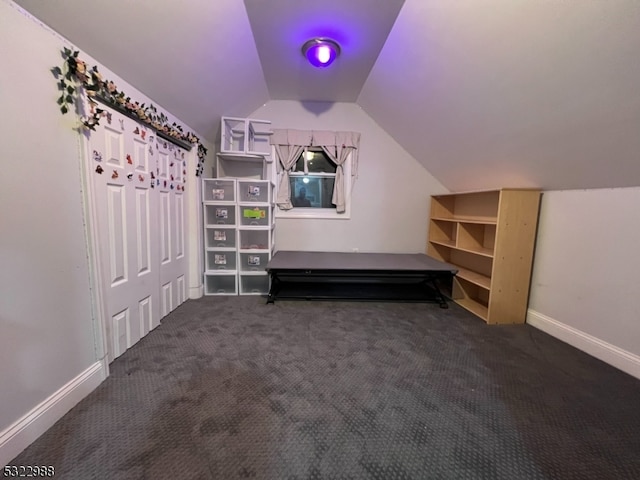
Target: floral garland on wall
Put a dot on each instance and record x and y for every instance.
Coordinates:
(76, 76)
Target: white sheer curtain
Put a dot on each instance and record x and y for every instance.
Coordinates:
(289, 144)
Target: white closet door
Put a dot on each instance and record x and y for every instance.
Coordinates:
(171, 173)
(127, 206)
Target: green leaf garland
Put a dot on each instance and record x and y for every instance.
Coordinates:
(75, 77)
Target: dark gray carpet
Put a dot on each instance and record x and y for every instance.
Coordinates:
(231, 388)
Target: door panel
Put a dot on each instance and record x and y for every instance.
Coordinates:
(143, 234)
(114, 143)
(179, 230)
(140, 156)
(121, 332)
(173, 265)
(117, 231)
(181, 285)
(167, 295)
(140, 204)
(126, 205)
(165, 228)
(145, 308)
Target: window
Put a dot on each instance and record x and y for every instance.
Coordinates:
(310, 164)
(312, 180)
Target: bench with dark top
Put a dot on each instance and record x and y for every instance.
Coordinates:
(357, 276)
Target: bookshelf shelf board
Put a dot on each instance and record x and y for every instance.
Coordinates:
(445, 243)
(473, 277)
(474, 307)
(459, 219)
(485, 252)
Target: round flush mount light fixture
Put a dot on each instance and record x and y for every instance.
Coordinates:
(321, 52)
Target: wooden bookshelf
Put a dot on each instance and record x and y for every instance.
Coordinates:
(490, 237)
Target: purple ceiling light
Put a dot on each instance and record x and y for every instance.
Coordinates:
(321, 52)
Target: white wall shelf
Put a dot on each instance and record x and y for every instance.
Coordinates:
(245, 149)
(254, 167)
(245, 136)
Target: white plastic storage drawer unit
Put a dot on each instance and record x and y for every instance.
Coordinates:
(255, 216)
(220, 237)
(221, 260)
(253, 261)
(254, 284)
(220, 215)
(225, 284)
(253, 192)
(219, 190)
(255, 239)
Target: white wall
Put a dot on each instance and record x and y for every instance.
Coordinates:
(50, 342)
(586, 285)
(390, 197)
(45, 305)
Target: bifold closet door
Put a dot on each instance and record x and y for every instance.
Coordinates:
(171, 225)
(133, 229)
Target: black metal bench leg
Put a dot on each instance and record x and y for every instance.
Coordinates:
(273, 290)
(442, 299)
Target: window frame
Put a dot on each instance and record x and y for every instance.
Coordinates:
(318, 213)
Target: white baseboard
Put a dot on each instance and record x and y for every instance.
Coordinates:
(196, 292)
(608, 353)
(23, 432)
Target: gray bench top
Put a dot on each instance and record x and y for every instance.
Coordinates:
(296, 260)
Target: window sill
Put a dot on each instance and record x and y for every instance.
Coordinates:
(313, 213)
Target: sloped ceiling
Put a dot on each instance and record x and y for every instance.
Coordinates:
(487, 93)
(281, 27)
(484, 93)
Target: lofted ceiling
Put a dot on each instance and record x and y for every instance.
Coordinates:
(483, 93)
